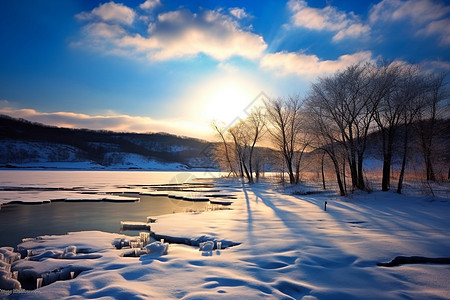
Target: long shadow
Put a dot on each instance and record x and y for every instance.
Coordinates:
(288, 218)
(390, 217)
(294, 222)
(249, 213)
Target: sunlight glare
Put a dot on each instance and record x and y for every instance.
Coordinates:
(225, 100)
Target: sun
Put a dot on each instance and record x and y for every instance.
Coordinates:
(225, 103)
(225, 99)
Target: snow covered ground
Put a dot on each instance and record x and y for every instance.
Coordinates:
(290, 249)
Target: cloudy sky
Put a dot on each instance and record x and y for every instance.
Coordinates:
(173, 66)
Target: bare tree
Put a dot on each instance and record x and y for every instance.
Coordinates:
(350, 99)
(237, 133)
(244, 135)
(255, 125)
(326, 133)
(428, 117)
(396, 105)
(285, 118)
(221, 131)
(410, 111)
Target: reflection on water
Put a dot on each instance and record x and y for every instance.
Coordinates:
(19, 221)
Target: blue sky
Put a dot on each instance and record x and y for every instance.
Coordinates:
(173, 66)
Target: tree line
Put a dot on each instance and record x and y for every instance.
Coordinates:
(100, 146)
(335, 118)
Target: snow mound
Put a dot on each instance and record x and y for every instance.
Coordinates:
(157, 248)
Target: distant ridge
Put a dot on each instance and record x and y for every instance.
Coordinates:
(27, 144)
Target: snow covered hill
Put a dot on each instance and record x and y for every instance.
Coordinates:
(30, 145)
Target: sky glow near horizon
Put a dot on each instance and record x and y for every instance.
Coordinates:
(174, 66)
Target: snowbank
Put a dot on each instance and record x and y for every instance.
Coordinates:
(290, 249)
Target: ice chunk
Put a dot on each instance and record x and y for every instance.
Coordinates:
(5, 266)
(119, 243)
(8, 255)
(135, 252)
(220, 201)
(207, 246)
(144, 237)
(157, 247)
(7, 282)
(128, 225)
(70, 251)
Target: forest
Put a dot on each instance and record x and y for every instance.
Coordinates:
(392, 113)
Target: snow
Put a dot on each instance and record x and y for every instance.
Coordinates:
(131, 160)
(36, 155)
(290, 248)
(157, 248)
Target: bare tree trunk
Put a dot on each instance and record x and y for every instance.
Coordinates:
(387, 160)
(344, 175)
(361, 183)
(338, 175)
(249, 177)
(429, 167)
(289, 169)
(323, 173)
(386, 178)
(352, 164)
(402, 170)
(388, 148)
(241, 168)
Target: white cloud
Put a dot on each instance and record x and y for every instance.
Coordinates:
(419, 11)
(434, 66)
(428, 18)
(104, 30)
(310, 65)
(439, 28)
(114, 122)
(238, 12)
(110, 12)
(353, 30)
(179, 34)
(327, 18)
(150, 4)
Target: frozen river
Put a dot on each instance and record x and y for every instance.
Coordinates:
(18, 220)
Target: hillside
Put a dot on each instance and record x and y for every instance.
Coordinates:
(33, 145)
